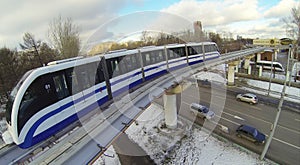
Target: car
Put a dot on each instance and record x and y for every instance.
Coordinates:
(247, 97)
(202, 111)
(250, 133)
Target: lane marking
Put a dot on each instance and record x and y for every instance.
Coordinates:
(227, 120)
(284, 142)
(250, 116)
(281, 141)
(237, 117)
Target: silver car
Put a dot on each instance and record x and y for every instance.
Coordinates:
(247, 97)
(202, 111)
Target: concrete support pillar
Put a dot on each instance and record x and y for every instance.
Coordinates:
(258, 57)
(249, 69)
(170, 110)
(260, 71)
(231, 74)
(236, 69)
(247, 63)
(275, 54)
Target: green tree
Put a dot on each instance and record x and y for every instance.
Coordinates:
(8, 71)
(65, 36)
(31, 46)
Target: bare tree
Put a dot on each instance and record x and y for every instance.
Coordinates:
(292, 24)
(31, 45)
(65, 36)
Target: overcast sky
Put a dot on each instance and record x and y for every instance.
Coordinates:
(248, 18)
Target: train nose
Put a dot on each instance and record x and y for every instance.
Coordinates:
(7, 138)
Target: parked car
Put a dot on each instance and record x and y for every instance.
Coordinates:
(251, 133)
(247, 97)
(202, 111)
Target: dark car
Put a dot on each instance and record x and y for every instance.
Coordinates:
(251, 133)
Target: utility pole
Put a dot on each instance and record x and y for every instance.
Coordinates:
(270, 80)
(278, 109)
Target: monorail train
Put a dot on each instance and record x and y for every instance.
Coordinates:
(268, 65)
(49, 98)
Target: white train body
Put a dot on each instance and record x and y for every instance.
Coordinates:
(50, 98)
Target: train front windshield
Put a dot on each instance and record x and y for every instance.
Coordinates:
(12, 97)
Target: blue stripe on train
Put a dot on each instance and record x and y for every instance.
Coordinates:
(30, 140)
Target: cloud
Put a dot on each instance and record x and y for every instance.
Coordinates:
(18, 17)
(235, 17)
(282, 9)
(216, 12)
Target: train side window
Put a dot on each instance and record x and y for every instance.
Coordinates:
(206, 48)
(147, 58)
(180, 52)
(198, 49)
(61, 86)
(92, 73)
(122, 65)
(192, 51)
(72, 81)
(171, 54)
(100, 73)
(131, 62)
(113, 67)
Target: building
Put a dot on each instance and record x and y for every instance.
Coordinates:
(266, 42)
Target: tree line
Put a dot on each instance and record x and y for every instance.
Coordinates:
(34, 53)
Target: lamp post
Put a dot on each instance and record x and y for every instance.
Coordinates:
(270, 80)
(278, 109)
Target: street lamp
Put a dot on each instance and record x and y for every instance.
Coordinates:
(278, 108)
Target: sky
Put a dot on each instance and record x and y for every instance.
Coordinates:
(102, 20)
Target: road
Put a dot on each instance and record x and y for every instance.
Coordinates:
(285, 146)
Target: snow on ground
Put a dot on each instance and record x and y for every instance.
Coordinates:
(192, 148)
(212, 76)
(109, 157)
(274, 87)
(290, 91)
(277, 75)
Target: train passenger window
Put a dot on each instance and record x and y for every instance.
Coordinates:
(147, 59)
(180, 52)
(72, 81)
(173, 53)
(131, 62)
(61, 87)
(161, 56)
(192, 51)
(122, 65)
(207, 48)
(92, 73)
(100, 73)
(113, 67)
(198, 49)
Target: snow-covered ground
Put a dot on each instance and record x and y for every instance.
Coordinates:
(110, 157)
(274, 87)
(192, 148)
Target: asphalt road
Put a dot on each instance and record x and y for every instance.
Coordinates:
(285, 146)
